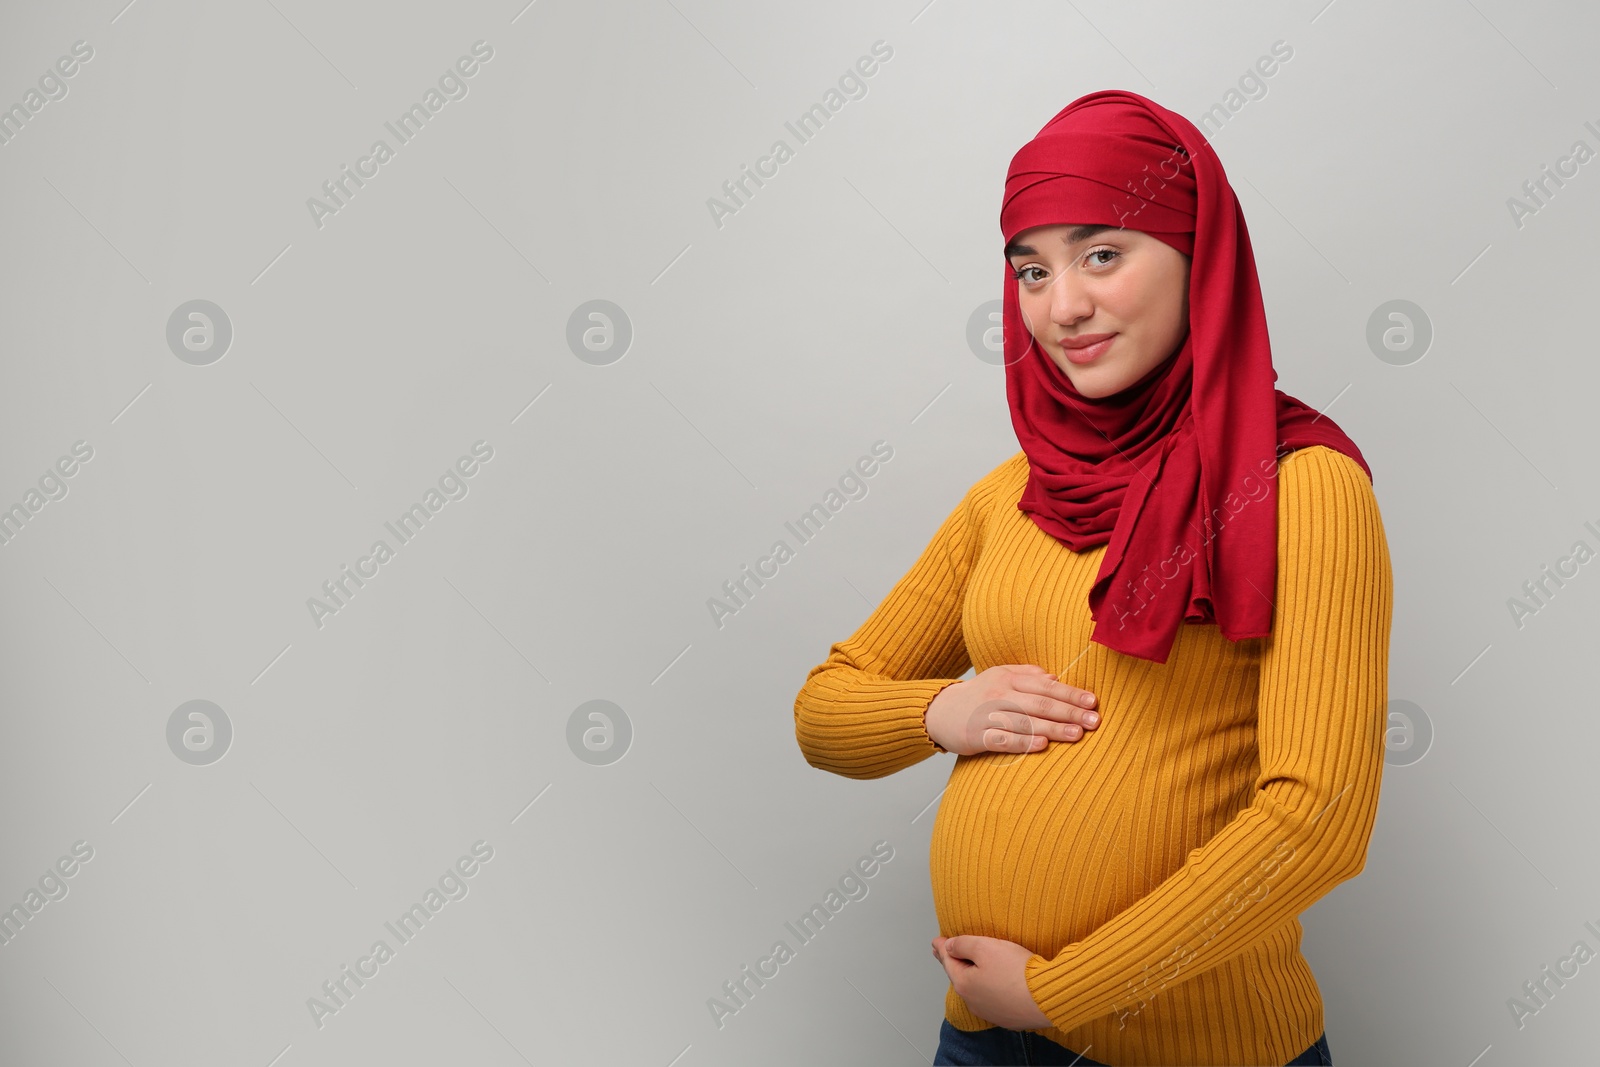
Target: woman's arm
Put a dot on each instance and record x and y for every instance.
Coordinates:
(860, 713)
(1322, 708)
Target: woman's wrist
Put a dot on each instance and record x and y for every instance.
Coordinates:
(928, 712)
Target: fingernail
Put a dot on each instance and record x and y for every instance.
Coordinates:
(1091, 718)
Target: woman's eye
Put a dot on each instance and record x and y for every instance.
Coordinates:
(1094, 258)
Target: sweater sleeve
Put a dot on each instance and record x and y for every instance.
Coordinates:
(860, 712)
(1321, 710)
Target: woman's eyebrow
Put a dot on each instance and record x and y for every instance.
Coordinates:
(1074, 236)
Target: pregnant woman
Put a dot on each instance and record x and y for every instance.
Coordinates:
(1177, 600)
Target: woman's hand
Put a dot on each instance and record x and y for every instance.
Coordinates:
(989, 975)
(1013, 707)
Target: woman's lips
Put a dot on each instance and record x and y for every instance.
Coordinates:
(1089, 354)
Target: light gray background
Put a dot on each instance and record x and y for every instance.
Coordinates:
(768, 355)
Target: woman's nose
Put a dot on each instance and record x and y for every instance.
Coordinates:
(1069, 301)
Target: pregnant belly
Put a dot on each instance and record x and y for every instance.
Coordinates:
(1042, 848)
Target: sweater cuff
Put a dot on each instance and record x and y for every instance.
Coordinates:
(874, 729)
(1041, 971)
(944, 683)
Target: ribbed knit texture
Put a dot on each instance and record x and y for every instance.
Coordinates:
(1156, 866)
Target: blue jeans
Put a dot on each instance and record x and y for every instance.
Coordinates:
(999, 1047)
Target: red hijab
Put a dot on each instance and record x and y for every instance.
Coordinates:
(1178, 470)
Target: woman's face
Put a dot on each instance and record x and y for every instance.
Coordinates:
(1078, 283)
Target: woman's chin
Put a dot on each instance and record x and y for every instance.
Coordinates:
(1094, 382)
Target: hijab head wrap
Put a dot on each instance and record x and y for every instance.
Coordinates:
(1176, 473)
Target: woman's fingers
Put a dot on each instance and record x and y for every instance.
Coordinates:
(1071, 694)
(997, 739)
(1056, 699)
(1053, 711)
(1024, 732)
(1035, 707)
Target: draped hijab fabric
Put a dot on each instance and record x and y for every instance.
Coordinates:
(1176, 473)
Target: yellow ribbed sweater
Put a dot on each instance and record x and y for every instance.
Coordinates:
(1156, 867)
